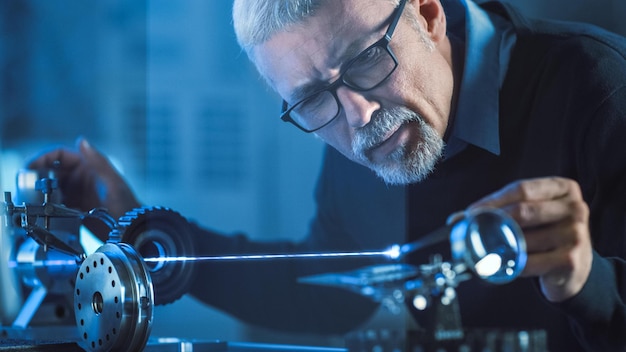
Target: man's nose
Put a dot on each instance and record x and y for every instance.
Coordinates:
(357, 107)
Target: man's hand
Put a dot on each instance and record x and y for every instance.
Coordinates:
(87, 179)
(555, 222)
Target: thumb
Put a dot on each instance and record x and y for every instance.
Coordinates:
(106, 174)
(117, 195)
(96, 160)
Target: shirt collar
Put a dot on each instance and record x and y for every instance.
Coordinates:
(487, 41)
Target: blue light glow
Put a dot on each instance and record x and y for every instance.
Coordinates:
(393, 253)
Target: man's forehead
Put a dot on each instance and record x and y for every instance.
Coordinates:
(307, 54)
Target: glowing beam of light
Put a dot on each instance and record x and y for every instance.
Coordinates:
(391, 253)
(43, 263)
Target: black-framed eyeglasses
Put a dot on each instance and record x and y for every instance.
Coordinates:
(364, 72)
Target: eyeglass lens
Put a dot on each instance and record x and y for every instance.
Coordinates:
(364, 72)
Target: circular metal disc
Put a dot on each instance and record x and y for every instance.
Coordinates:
(113, 300)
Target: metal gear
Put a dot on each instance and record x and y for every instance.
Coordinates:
(157, 232)
(113, 300)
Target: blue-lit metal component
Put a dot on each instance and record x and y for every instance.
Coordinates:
(484, 241)
(430, 239)
(157, 232)
(491, 244)
(46, 272)
(41, 249)
(113, 300)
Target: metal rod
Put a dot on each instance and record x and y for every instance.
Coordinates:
(438, 235)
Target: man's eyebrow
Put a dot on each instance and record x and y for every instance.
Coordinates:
(305, 90)
(355, 48)
(352, 51)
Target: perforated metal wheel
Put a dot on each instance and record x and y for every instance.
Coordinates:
(113, 300)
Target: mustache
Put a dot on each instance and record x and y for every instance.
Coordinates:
(383, 123)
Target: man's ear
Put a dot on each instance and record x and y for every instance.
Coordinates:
(431, 16)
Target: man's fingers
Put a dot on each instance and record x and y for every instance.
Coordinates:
(61, 158)
(542, 239)
(98, 162)
(530, 190)
(555, 263)
(529, 214)
(553, 258)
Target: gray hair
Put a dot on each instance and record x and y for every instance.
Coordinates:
(255, 21)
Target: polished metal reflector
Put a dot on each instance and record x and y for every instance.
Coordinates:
(114, 300)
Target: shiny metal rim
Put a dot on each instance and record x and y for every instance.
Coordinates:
(113, 300)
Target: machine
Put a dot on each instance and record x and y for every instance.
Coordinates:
(55, 294)
(51, 289)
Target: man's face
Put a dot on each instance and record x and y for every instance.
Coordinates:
(395, 129)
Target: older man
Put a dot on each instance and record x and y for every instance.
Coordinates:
(452, 105)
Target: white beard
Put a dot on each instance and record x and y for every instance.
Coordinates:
(408, 163)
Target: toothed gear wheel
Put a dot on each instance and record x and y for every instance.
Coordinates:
(157, 232)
